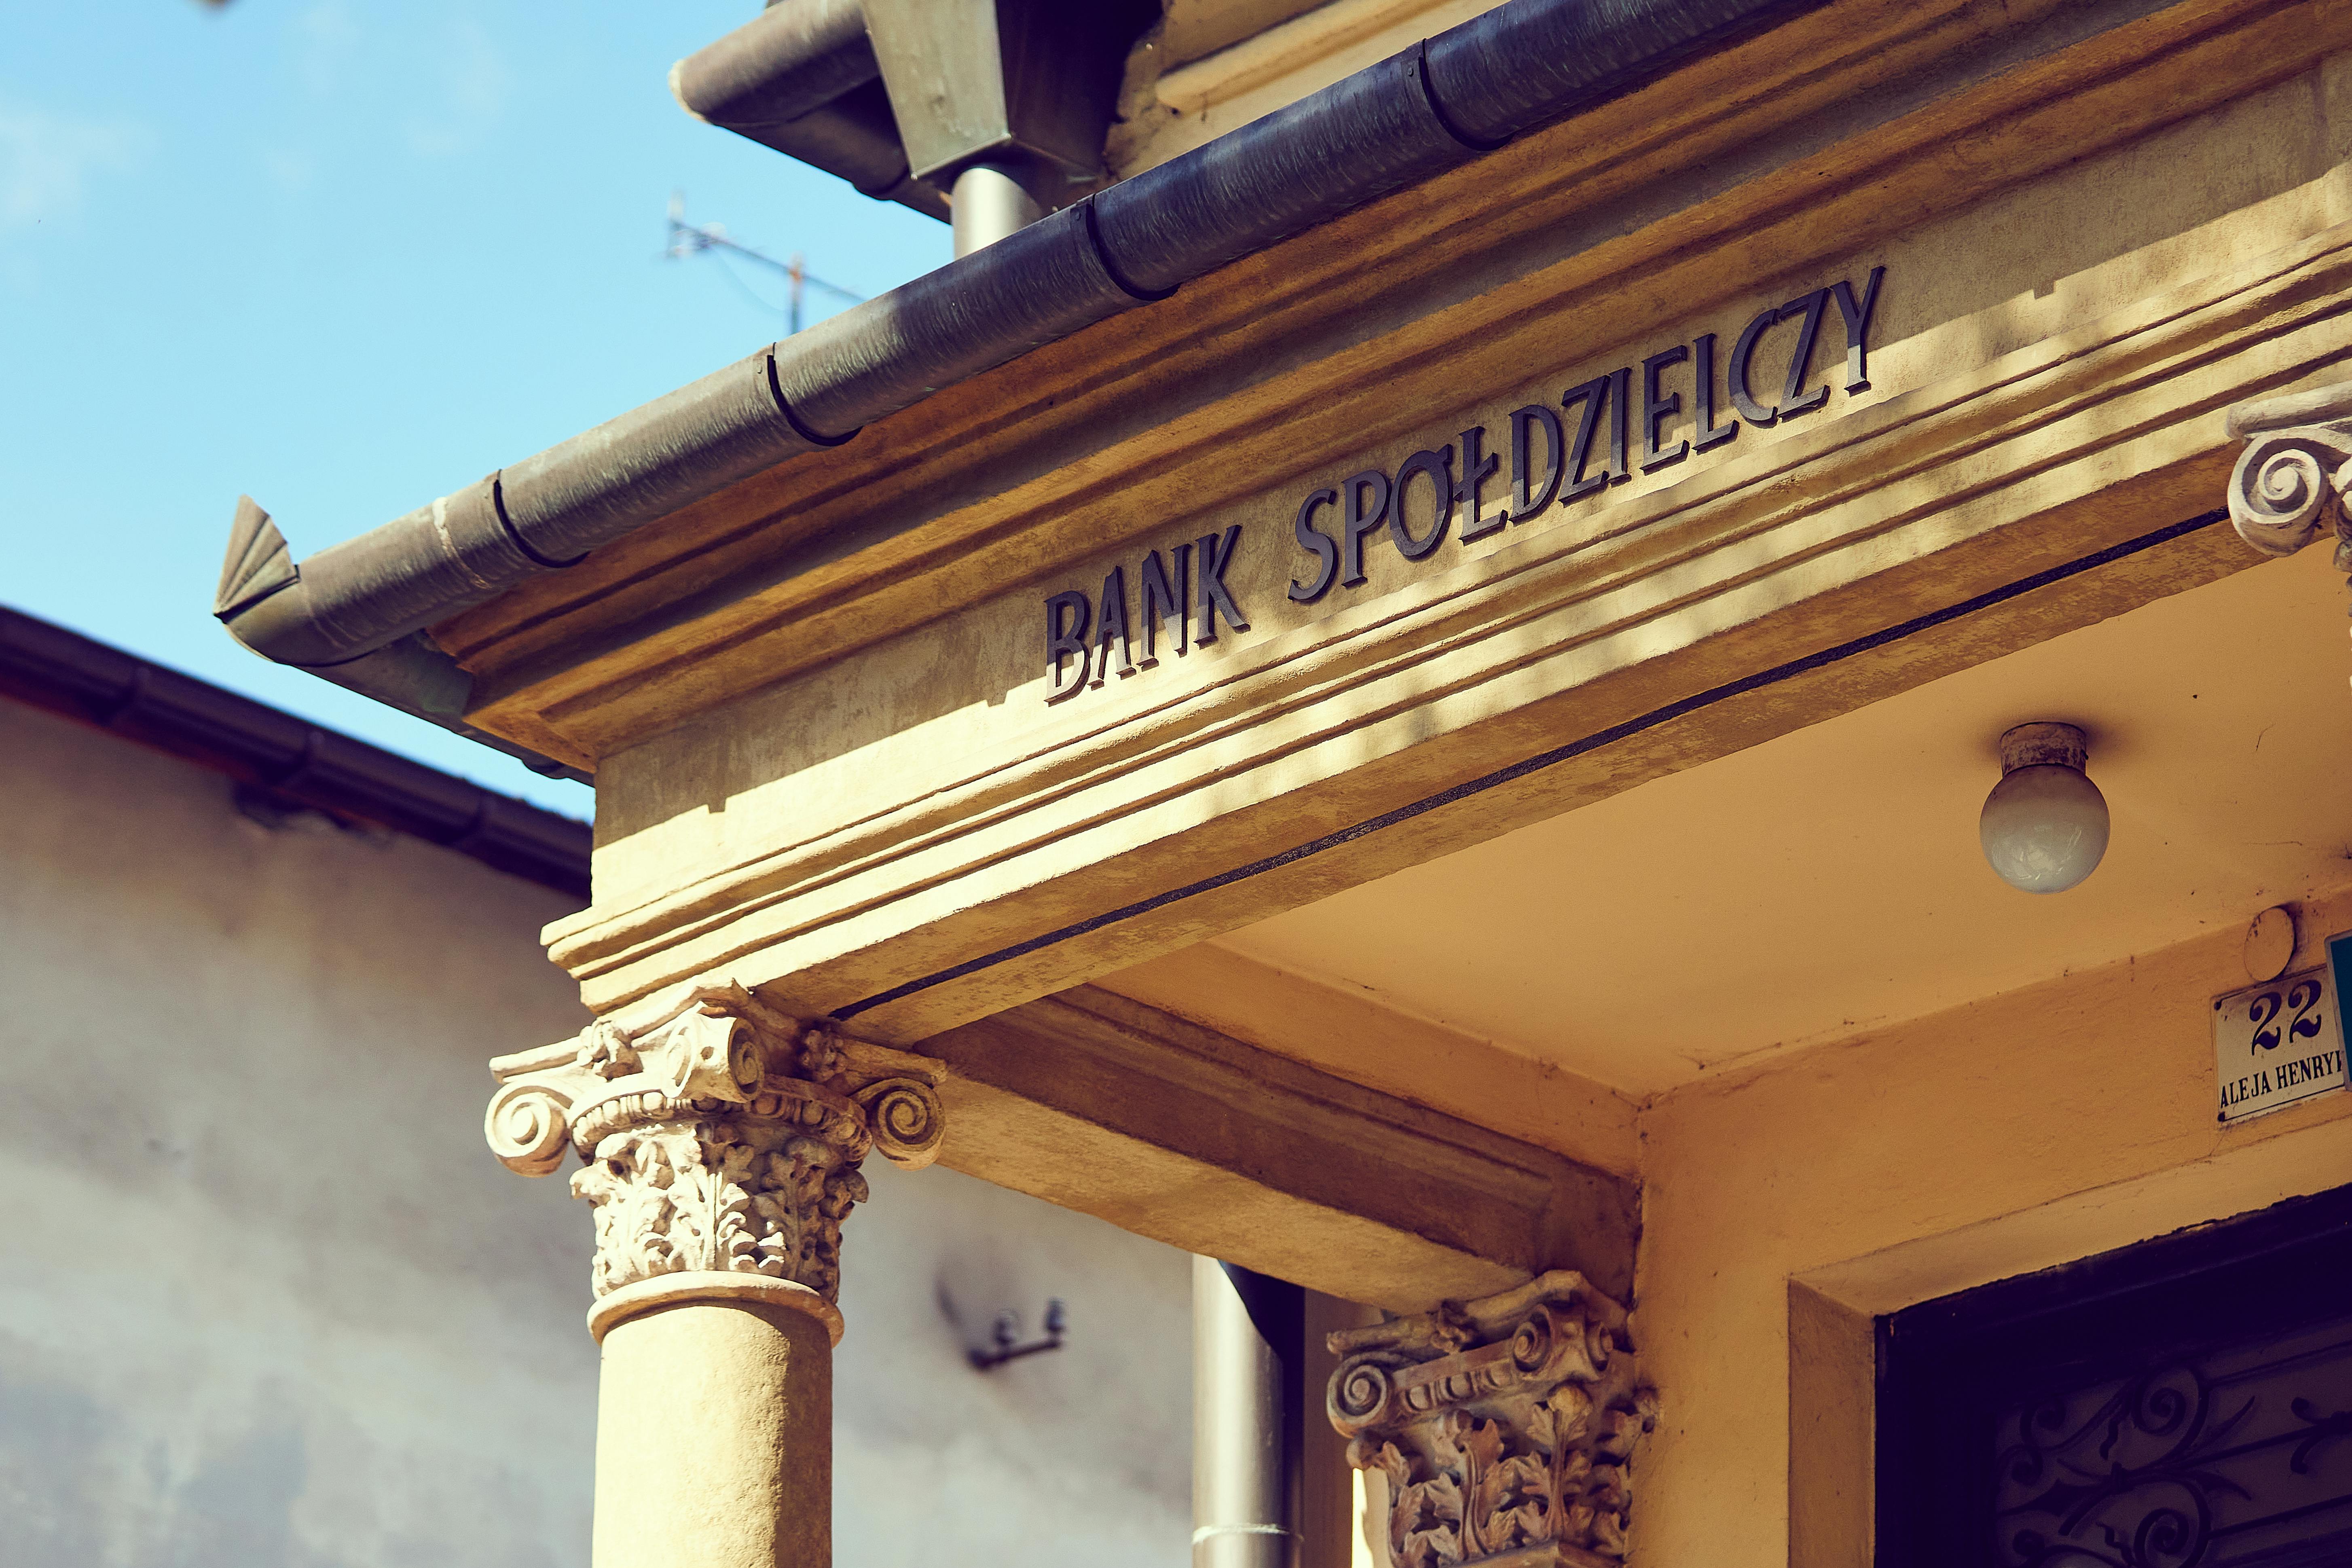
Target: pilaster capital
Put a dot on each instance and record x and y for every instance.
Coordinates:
(2291, 479)
(723, 1137)
(1502, 1428)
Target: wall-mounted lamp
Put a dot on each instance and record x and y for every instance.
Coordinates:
(1008, 1335)
(2045, 824)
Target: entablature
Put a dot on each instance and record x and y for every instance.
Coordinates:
(1746, 170)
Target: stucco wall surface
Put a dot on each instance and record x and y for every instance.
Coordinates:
(1079, 1458)
(267, 1300)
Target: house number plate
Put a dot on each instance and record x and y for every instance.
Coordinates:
(2277, 1045)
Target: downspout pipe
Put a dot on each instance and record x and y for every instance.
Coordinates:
(356, 613)
(989, 202)
(1248, 1331)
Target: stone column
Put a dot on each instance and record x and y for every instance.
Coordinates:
(720, 1147)
(1498, 1431)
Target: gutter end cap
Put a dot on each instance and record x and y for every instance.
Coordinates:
(259, 562)
(677, 92)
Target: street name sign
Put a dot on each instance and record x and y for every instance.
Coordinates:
(2278, 1043)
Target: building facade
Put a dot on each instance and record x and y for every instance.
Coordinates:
(1392, 679)
(268, 1299)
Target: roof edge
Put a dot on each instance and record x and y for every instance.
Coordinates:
(45, 666)
(1402, 122)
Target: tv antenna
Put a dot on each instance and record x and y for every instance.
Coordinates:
(688, 239)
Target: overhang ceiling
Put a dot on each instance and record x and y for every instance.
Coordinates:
(1831, 879)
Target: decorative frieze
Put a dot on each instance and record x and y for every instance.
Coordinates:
(724, 1138)
(1499, 1431)
(2290, 482)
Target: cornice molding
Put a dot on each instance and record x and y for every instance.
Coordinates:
(1749, 539)
(289, 762)
(1284, 360)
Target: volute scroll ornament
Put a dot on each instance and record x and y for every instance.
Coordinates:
(724, 1138)
(2290, 482)
(1497, 1431)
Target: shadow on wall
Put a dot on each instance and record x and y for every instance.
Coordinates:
(1068, 1459)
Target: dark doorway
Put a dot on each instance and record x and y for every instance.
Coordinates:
(2185, 1403)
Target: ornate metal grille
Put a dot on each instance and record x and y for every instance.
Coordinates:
(2241, 1455)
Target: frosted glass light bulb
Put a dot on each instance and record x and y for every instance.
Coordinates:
(2044, 827)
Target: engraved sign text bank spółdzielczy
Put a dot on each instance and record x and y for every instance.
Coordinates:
(1603, 431)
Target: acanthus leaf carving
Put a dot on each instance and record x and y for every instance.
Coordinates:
(1502, 1428)
(724, 1136)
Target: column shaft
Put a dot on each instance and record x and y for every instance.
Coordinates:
(714, 1439)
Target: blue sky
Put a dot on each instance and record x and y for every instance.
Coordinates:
(347, 256)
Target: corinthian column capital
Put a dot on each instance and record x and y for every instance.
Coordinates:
(2290, 482)
(721, 1142)
(1498, 1430)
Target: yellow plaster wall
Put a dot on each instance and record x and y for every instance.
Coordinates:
(1999, 1138)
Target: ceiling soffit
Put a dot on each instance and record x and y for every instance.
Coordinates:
(1829, 880)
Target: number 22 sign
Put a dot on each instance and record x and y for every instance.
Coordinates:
(2278, 1043)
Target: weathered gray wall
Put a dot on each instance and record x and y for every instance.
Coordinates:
(1079, 1458)
(265, 1298)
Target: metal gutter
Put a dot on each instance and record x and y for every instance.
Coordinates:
(356, 613)
(290, 761)
(803, 79)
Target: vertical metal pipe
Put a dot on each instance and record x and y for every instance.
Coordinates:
(1324, 1491)
(987, 205)
(1241, 1512)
